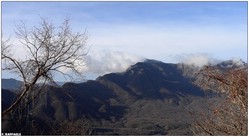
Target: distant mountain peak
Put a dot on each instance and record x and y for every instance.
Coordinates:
(232, 63)
(152, 61)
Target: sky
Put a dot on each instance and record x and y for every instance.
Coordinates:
(123, 33)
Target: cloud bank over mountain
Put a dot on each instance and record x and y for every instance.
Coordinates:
(106, 61)
(202, 59)
(102, 62)
(197, 60)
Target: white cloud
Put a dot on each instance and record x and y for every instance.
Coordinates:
(80, 66)
(197, 60)
(106, 61)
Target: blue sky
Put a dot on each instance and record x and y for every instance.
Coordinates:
(122, 33)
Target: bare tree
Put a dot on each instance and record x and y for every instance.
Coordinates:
(228, 114)
(49, 50)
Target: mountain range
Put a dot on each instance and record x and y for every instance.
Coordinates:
(149, 98)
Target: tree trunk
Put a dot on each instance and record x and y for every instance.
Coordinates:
(12, 107)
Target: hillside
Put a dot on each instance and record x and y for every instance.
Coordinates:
(149, 98)
(11, 84)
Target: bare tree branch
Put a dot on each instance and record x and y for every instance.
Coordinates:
(228, 115)
(49, 50)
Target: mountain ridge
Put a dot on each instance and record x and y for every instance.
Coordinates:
(149, 98)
